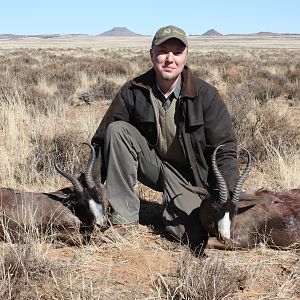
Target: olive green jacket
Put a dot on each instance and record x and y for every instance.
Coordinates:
(204, 123)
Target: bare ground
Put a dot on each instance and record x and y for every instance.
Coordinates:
(146, 266)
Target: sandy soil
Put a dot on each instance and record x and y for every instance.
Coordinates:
(97, 42)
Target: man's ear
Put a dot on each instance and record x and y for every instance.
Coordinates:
(151, 53)
(186, 58)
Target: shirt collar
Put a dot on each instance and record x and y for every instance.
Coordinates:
(176, 90)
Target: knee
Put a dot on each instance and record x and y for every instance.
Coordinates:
(116, 128)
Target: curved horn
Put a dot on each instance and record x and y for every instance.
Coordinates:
(220, 180)
(88, 173)
(239, 184)
(78, 187)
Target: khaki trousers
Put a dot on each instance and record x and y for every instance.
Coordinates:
(129, 159)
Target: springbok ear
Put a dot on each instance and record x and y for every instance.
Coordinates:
(243, 209)
(195, 189)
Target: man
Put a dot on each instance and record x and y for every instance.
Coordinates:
(161, 129)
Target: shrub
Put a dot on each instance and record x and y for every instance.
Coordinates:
(204, 279)
(258, 124)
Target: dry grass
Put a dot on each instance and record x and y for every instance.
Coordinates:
(260, 274)
(52, 98)
(144, 266)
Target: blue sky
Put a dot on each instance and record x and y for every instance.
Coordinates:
(146, 16)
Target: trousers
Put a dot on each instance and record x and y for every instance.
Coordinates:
(129, 159)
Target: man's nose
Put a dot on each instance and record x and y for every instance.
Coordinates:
(169, 56)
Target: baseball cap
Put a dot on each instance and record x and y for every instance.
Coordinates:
(168, 32)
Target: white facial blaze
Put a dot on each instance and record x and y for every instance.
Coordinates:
(97, 211)
(224, 226)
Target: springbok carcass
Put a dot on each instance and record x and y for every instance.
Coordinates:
(88, 200)
(267, 218)
(243, 220)
(63, 213)
(23, 214)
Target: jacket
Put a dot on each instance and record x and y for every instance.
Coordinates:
(204, 123)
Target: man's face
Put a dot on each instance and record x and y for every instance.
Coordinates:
(169, 59)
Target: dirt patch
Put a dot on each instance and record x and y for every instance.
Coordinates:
(146, 265)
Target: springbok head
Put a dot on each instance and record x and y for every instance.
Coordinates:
(90, 200)
(217, 210)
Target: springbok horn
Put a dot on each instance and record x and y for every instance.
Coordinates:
(239, 184)
(220, 180)
(195, 189)
(89, 169)
(78, 187)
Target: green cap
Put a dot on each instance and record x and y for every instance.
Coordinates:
(165, 33)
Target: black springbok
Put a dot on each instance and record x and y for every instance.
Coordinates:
(64, 212)
(265, 217)
(243, 220)
(27, 214)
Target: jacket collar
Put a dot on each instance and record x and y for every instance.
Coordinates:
(188, 89)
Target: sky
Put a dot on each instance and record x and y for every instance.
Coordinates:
(146, 16)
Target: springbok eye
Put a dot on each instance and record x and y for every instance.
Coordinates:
(215, 206)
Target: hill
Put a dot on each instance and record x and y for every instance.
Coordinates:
(212, 32)
(119, 31)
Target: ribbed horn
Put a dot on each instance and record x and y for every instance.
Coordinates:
(239, 184)
(223, 191)
(78, 187)
(89, 169)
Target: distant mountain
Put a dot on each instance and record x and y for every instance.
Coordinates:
(212, 32)
(42, 36)
(119, 31)
(265, 33)
(123, 31)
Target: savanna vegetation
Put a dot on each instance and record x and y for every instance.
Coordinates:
(52, 100)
